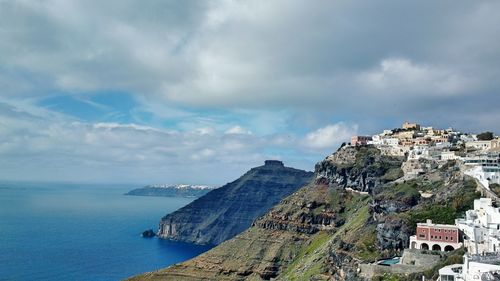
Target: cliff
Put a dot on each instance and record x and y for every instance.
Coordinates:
(356, 211)
(225, 212)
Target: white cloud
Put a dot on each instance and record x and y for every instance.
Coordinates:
(237, 130)
(59, 148)
(403, 76)
(330, 136)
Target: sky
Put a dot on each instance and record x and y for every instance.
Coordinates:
(201, 91)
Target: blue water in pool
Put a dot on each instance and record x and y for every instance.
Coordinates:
(83, 232)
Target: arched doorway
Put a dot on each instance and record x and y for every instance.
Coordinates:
(413, 245)
(448, 248)
(424, 246)
(436, 247)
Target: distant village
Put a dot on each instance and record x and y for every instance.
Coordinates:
(426, 148)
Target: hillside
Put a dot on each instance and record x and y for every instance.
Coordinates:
(227, 211)
(355, 212)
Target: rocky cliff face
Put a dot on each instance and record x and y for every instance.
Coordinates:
(327, 229)
(360, 168)
(223, 213)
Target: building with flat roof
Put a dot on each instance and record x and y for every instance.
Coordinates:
(360, 140)
(481, 227)
(436, 237)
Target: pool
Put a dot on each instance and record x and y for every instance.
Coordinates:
(389, 262)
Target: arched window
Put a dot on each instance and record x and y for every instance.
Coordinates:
(449, 248)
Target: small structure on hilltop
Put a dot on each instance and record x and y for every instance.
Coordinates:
(411, 126)
(436, 237)
(360, 140)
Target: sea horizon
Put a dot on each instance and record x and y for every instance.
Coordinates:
(70, 231)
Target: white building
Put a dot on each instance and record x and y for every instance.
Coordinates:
(449, 155)
(481, 227)
(475, 268)
(478, 145)
(468, 138)
(485, 168)
(393, 150)
(390, 141)
(485, 175)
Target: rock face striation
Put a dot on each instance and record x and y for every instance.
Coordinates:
(227, 211)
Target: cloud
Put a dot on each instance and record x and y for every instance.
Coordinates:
(227, 54)
(202, 75)
(237, 130)
(401, 75)
(330, 136)
(60, 148)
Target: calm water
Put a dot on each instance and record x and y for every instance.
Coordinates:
(83, 232)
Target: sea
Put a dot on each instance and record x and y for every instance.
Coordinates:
(83, 232)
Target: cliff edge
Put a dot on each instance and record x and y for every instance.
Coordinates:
(225, 212)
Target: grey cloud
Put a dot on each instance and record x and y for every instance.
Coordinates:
(326, 59)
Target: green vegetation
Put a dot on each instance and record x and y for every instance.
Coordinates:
(448, 211)
(495, 187)
(308, 254)
(436, 213)
(431, 185)
(365, 155)
(393, 174)
(310, 260)
(404, 192)
(366, 246)
(486, 136)
(451, 258)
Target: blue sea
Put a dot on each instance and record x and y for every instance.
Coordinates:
(83, 232)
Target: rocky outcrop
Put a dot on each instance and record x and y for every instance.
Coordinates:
(224, 212)
(393, 234)
(148, 233)
(359, 168)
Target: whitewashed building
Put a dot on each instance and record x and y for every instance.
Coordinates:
(449, 155)
(485, 175)
(478, 145)
(481, 227)
(474, 268)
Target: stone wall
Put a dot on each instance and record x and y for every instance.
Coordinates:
(412, 261)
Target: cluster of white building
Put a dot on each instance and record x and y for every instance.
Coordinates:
(481, 238)
(478, 233)
(415, 142)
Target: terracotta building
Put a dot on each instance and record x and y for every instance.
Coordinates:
(436, 237)
(360, 140)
